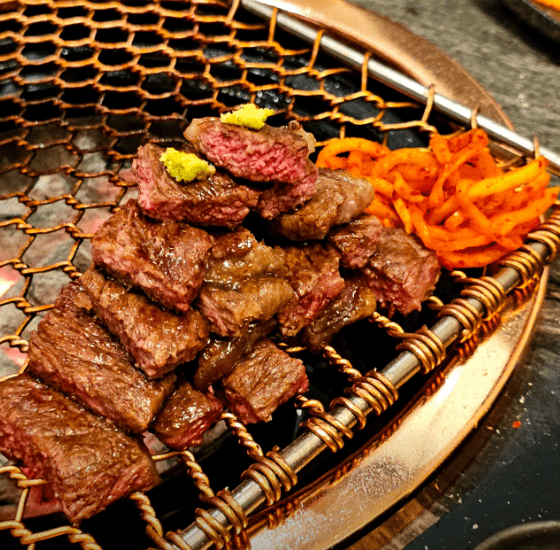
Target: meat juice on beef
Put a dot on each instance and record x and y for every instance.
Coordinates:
(237, 256)
(186, 416)
(221, 355)
(165, 259)
(87, 463)
(157, 338)
(340, 197)
(73, 351)
(242, 283)
(215, 201)
(313, 274)
(395, 265)
(229, 312)
(264, 378)
(268, 154)
(282, 197)
(356, 241)
(357, 301)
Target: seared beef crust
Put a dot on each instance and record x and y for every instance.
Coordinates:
(86, 462)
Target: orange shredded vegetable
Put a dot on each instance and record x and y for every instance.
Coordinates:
(454, 196)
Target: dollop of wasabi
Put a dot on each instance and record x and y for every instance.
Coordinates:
(185, 166)
(249, 115)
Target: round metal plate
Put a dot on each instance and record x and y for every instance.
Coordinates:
(415, 444)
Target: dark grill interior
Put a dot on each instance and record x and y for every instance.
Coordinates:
(81, 88)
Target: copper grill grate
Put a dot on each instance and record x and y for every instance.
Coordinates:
(82, 85)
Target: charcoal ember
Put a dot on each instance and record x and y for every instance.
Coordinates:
(229, 312)
(264, 378)
(221, 355)
(73, 351)
(357, 301)
(401, 271)
(237, 256)
(157, 338)
(269, 154)
(313, 273)
(165, 259)
(186, 416)
(215, 201)
(87, 463)
(355, 242)
(339, 198)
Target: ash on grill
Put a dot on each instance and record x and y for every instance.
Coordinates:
(166, 301)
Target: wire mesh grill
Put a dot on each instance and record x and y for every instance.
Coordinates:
(82, 86)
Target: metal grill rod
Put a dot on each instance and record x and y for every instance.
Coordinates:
(399, 371)
(402, 83)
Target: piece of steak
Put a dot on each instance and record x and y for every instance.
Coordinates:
(263, 379)
(86, 462)
(401, 271)
(220, 356)
(282, 197)
(73, 351)
(186, 416)
(157, 338)
(237, 256)
(357, 301)
(165, 259)
(269, 154)
(340, 197)
(313, 273)
(355, 242)
(229, 312)
(215, 201)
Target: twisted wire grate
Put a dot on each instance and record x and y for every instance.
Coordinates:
(82, 85)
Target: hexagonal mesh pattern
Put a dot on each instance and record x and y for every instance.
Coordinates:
(82, 85)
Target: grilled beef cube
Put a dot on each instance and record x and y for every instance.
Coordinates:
(263, 379)
(237, 256)
(158, 339)
(356, 241)
(86, 462)
(215, 201)
(243, 283)
(186, 416)
(229, 312)
(313, 273)
(283, 197)
(73, 351)
(220, 356)
(357, 301)
(269, 154)
(166, 260)
(401, 271)
(340, 197)
(393, 264)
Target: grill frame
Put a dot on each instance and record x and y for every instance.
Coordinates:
(31, 106)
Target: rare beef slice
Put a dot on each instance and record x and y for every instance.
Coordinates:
(157, 338)
(73, 351)
(87, 463)
(165, 259)
(215, 201)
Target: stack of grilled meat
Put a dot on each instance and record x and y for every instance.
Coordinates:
(179, 313)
